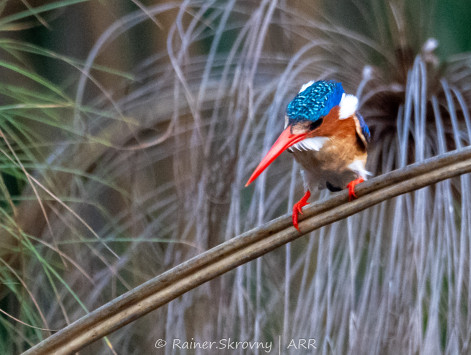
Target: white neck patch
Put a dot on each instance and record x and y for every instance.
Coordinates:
(313, 143)
(348, 106)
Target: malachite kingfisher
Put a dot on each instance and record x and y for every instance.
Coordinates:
(327, 137)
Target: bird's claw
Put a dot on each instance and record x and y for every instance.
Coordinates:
(351, 188)
(297, 208)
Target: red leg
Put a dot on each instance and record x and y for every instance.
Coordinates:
(297, 208)
(351, 188)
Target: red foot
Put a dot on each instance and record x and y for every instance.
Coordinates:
(351, 188)
(297, 208)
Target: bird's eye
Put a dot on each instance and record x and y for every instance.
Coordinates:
(315, 124)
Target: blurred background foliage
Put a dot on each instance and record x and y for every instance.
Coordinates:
(130, 127)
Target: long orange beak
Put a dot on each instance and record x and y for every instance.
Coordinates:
(284, 141)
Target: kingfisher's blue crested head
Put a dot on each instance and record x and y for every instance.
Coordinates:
(314, 101)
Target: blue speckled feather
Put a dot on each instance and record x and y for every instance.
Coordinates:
(364, 128)
(315, 101)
